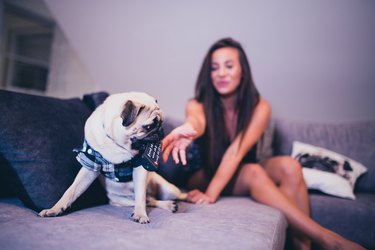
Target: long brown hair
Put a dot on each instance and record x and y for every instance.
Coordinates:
(216, 139)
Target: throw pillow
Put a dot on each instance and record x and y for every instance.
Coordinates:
(37, 136)
(328, 171)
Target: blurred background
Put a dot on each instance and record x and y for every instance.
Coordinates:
(312, 60)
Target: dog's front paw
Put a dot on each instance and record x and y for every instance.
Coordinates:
(51, 212)
(173, 206)
(140, 218)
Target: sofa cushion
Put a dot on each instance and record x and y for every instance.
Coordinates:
(230, 223)
(351, 219)
(5, 190)
(352, 139)
(93, 100)
(37, 135)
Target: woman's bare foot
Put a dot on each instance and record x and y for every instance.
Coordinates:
(336, 242)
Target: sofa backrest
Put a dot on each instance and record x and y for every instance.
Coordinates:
(352, 139)
(37, 136)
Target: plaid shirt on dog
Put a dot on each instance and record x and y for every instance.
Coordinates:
(94, 161)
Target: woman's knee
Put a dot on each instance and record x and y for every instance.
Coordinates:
(291, 170)
(254, 174)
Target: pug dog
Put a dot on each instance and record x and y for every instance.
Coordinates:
(115, 135)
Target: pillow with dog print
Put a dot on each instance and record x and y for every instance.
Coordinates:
(328, 171)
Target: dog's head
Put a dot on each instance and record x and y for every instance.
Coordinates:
(132, 119)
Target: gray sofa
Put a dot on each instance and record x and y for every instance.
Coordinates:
(354, 219)
(37, 135)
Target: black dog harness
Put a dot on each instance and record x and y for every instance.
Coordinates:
(91, 159)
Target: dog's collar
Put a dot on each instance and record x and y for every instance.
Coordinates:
(93, 160)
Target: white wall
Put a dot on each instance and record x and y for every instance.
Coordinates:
(68, 76)
(313, 60)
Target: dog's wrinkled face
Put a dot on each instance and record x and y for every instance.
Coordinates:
(149, 129)
(137, 118)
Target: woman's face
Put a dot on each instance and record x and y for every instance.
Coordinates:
(226, 70)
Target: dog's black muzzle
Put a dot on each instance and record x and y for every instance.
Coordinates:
(154, 137)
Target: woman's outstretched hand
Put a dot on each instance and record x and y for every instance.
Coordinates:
(177, 141)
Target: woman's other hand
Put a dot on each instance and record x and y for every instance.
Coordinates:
(198, 197)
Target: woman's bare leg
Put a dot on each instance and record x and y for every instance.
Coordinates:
(254, 180)
(286, 173)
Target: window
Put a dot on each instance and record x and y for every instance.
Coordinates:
(27, 45)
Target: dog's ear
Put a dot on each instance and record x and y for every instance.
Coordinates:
(130, 113)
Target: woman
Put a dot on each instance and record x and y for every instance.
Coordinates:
(227, 117)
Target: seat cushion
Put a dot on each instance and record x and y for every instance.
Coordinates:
(349, 218)
(231, 223)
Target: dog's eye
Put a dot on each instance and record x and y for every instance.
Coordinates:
(156, 100)
(147, 127)
(151, 126)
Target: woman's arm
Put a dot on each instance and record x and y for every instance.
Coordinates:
(195, 116)
(179, 138)
(238, 149)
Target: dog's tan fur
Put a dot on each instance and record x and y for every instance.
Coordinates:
(105, 132)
